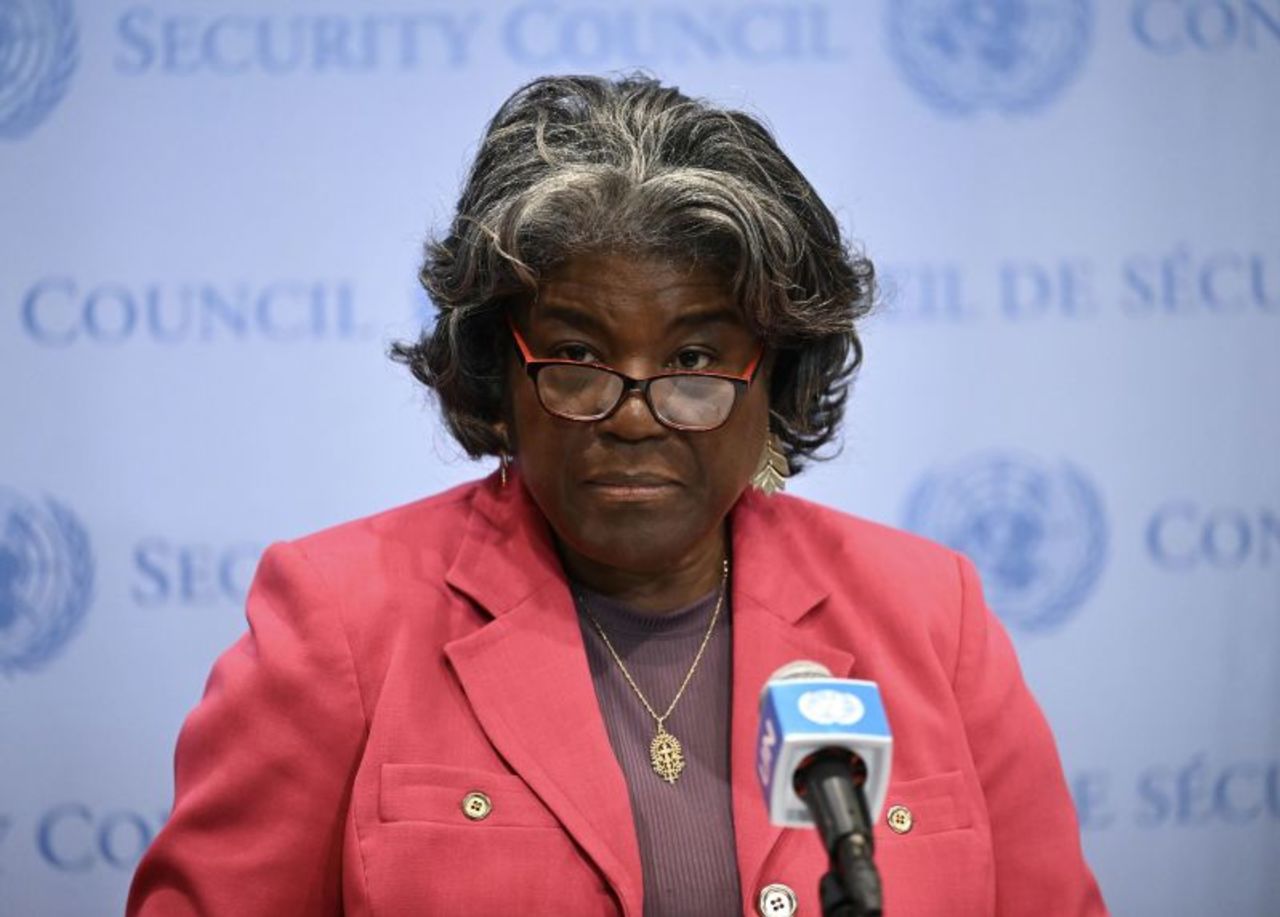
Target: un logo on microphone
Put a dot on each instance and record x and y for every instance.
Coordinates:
(1013, 56)
(1036, 532)
(46, 580)
(38, 53)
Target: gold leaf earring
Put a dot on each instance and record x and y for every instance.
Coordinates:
(771, 474)
(503, 461)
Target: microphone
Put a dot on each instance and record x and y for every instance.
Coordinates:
(824, 752)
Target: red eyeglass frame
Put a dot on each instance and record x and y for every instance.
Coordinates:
(533, 365)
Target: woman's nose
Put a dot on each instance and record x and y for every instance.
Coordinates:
(633, 420)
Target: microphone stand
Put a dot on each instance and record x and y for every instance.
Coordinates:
(830, 782)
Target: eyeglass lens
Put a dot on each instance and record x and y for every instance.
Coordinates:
(588, 393)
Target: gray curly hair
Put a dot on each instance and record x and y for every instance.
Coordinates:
(575, 164)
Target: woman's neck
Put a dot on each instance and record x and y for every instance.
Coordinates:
(675, 586)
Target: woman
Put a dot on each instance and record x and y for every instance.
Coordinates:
(537, 693)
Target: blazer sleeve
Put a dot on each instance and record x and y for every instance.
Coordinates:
(263, 764)
(1040, 866)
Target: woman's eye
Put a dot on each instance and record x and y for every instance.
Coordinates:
(578, 353)
(693, 359)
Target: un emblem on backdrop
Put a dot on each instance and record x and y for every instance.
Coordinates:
(1013, 56)
(46, 580)
(1038, 534)
(38, 52)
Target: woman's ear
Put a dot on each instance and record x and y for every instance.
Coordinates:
(503, 431)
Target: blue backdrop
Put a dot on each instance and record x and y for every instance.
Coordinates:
(210, 222)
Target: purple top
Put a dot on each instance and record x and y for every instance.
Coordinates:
(685, 829)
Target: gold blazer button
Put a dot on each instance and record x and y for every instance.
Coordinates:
(476, 805)
(776, 900)
(900, 819)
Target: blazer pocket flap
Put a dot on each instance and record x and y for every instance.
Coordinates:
(931, 804)
(436, 793)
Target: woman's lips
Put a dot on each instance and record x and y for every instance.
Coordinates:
(633, 488)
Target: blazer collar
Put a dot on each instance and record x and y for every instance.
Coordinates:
(507, 553)
(527, 678)
(771, 563)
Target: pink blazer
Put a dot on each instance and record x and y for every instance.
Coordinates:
(395, 663)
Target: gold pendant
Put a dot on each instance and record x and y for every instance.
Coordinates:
(666, 755)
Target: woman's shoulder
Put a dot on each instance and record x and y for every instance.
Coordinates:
(849, 539)
(892, 582)
(423, 535)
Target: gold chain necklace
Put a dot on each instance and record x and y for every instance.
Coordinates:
(666, 755)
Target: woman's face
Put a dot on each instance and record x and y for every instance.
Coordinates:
(626, 491)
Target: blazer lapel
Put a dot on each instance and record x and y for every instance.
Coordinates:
(526, 677)
(775, 584)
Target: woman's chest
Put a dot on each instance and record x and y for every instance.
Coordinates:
(446, 813)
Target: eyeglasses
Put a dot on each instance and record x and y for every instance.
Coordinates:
(690, 400)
